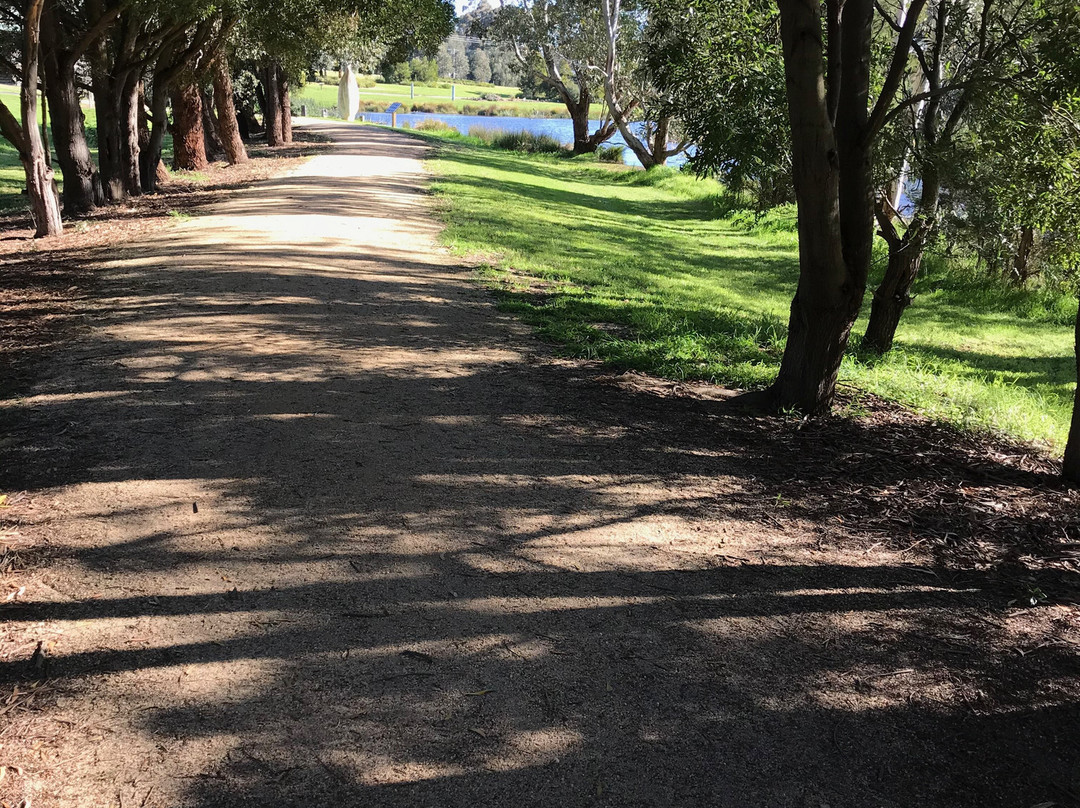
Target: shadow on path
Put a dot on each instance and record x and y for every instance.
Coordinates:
(331, 530)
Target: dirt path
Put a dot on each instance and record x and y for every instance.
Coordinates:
(330, 530)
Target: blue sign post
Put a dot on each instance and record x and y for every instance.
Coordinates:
(392, 109)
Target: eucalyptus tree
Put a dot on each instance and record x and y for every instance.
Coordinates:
(721, 66)
(68, 31)
(480, 65)
(280, 35)
(968, 61)
(630, 89)
(829, 53)
(560, 43)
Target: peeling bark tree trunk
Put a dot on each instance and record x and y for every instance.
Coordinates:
(285, 107)
(189, 150)
(227, 120)
(271, 104)
(129, 139)
(1071, 465)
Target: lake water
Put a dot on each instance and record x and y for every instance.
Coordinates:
(560, 128)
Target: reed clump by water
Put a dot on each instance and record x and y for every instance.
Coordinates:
(527, 142)
(436, 126)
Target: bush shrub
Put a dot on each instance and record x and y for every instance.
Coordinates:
(610, 154)
(436, 126)
(435, 107)
(527, 142)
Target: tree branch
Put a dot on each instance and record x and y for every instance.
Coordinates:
(897, 68)
(95, 31)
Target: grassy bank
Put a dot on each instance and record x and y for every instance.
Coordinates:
(645, 271)
(468, 100)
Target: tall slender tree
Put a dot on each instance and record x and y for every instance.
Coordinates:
(628, 86)
(26, 135)
(964, 57)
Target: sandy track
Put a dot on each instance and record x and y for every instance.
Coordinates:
(330, 530)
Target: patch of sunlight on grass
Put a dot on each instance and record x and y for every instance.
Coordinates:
(643, 270)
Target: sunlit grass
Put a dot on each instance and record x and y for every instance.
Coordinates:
(649, 271)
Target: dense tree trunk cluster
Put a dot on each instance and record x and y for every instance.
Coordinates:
(149, 77)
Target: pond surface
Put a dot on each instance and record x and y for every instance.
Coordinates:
(560, 128)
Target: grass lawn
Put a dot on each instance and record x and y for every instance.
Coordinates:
(12, 178)
(467, 99)
(644, 271)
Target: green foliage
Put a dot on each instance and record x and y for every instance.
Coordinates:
(528, 142)
(722, 68)
(640, 269)
(533, 87)
(1018, 167)
(451, 61)
(560, 43)
(423, 71)
(397, 73)
(361, 31)
(480, 65)
(610, 154)
(435, 125)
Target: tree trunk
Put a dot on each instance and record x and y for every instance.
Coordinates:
(227, 120)
(189, 150)
(211, 142)
(584, 141)
(40, 183)
(1021, 273)
(150, 157)
(109, 137)
(1071, 465)
(82, 183)
(271, 106)
(833, 258)
(285, 107)
(893, 294)
(660, 138)
(130, 100)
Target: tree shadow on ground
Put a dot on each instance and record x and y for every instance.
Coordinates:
(428, 565)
